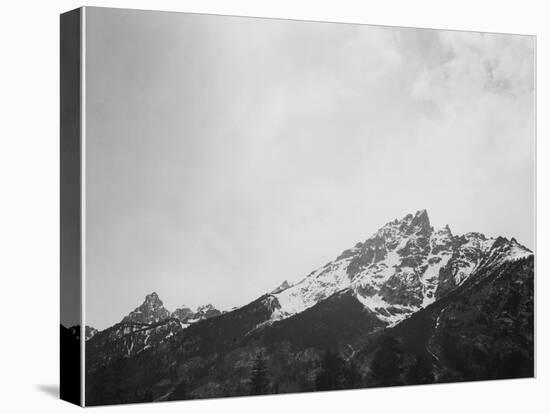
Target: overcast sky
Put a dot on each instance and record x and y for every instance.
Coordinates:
(225, 155)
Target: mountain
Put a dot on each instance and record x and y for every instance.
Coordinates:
(183, 313)
(152, 310)
(206, 311)
(405, 266)
(482, 330)
(186, 315)
(89, 331)
(411, 304)
(148, 326)
(283, 286)
(127, 339)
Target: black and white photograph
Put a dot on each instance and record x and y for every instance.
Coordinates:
(277, 206)
(273, 206)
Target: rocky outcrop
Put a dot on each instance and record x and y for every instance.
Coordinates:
(152, 310)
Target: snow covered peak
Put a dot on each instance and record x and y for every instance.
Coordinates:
(405, 266)
(283, 286)
(444, 233)
(517, 251)
(421, 222)
(474, 235)
(503, 249)
(412, 224)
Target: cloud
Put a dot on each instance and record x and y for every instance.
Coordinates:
(243, 152)
(475, 66)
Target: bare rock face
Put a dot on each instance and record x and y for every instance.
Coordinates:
(206, 312)
(152, 310)
(186, 315)
(183, 313)
(90, 332)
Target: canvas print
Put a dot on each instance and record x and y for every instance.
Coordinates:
(262, 206)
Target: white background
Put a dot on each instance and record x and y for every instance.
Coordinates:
(29, 207)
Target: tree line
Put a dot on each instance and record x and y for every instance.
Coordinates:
(389, 366)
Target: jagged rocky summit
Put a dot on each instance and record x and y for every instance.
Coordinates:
(148, 325)
(186, 315)
(152, 310)
(403, 267)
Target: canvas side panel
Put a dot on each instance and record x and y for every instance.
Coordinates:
(70, 203)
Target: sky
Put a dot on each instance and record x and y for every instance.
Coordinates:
(225, 155)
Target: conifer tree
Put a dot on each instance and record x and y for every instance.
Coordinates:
(386, 365)
(420, 372)
(259, 381)
(331, 373)
(352, 375)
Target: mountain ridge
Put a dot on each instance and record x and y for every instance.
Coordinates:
(407, 278)
(152, 310)
(401, 268)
